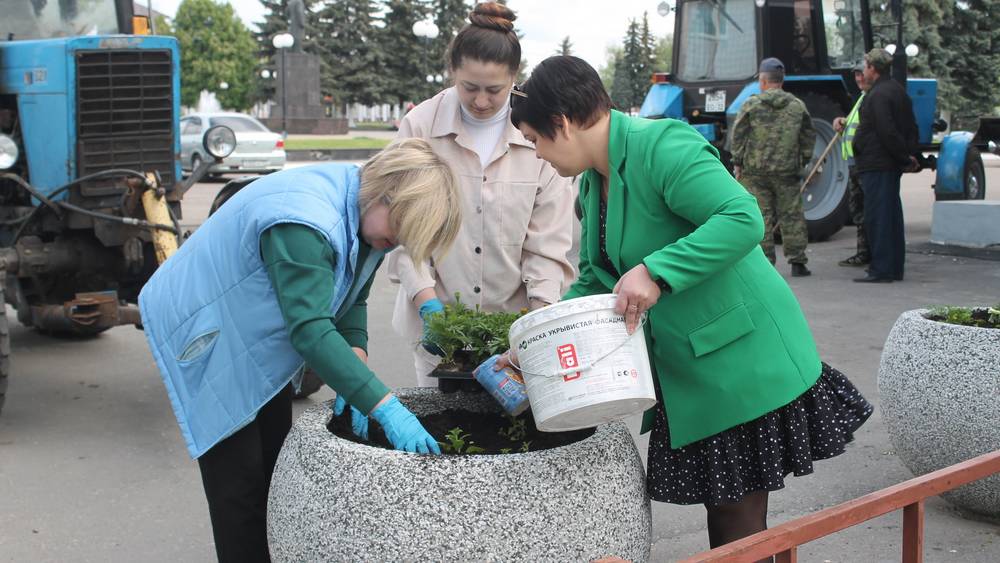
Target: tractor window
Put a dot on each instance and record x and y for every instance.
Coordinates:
(718, 40)
(845, 39)
(46, 19)
(791, 36)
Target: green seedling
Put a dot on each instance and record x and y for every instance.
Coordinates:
(458, 442)
(505, 450)
(525, 447)
(982, 318)
(516, 431)
(476, 333)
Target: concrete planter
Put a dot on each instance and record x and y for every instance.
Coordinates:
(332, 499)
(940, 397)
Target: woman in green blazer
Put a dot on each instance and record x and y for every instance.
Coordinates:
(668, 229)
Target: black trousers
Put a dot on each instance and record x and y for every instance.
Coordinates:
(236, 474)
(884, 223)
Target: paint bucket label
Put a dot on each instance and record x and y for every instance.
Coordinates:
(580, 366)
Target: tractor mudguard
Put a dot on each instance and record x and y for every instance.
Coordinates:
(951, 163)
(663, 101)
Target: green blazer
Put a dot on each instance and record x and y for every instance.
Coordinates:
(729, 342)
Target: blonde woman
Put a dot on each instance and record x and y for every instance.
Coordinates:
(277, 278)
(517, 228)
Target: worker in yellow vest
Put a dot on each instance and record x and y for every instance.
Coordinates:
(848, 127)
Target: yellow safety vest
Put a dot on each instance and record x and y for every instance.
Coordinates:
(850, 129)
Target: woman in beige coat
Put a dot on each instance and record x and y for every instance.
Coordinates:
(517, 221)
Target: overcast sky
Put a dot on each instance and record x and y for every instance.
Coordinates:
(591, 25)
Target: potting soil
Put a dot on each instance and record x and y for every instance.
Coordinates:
(484, 430)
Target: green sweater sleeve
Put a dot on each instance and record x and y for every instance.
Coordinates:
(300, 263)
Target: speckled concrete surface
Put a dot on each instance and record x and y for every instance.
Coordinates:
(332, 499)
(940, 391)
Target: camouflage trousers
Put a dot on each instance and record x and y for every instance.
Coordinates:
(780, 204)
(856, 204)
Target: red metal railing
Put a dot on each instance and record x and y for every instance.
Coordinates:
(783, 541)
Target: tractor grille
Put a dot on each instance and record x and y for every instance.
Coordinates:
(125, 115)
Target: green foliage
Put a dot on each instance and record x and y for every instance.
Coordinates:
(517, 430)
(476, 332)
(965, 316)
(525, 447)
(565, 47)
(973, 45)
(351, 57)
(410, 59)
(630, 68)
(458, 442)
(216, 48)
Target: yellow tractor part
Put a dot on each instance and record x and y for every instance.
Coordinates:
(155, 205)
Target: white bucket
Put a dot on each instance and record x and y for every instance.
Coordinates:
(580, 366)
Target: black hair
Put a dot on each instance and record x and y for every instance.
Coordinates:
(560, 86)
(488, 37)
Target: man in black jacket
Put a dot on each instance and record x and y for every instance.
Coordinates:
(884, 148)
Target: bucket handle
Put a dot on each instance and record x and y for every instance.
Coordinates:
(567, 371)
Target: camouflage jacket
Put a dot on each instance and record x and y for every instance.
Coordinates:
(773, 134)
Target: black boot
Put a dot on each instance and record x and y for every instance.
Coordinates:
(800, 270)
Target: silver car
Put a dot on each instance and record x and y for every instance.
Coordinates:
(258, 150)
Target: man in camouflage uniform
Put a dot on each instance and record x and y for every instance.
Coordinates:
(848, 126)
(773, 140)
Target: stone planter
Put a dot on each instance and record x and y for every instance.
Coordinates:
(333, 499)
(940, 398)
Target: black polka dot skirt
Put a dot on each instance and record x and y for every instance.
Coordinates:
(759, 454)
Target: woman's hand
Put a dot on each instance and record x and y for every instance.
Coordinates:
(505, 360)
(637, 293)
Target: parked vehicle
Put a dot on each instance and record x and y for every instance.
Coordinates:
(90, 189)
(258, 150)
(717, 46)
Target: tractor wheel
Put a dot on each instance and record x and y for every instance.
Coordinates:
(825, 200)
(974, 175)
(228, 191)
(4, 345)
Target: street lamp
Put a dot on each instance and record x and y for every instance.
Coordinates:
(282, 42)
(265, 74)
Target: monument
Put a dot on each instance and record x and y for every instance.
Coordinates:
(297, 105)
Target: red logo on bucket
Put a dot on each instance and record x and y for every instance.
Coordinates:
(567, 360)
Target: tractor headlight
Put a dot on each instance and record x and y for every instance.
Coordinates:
(220, 141)
(8, 152)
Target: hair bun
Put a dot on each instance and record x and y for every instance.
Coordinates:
(492, 15)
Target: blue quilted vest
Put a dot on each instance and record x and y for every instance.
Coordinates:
(211, 315)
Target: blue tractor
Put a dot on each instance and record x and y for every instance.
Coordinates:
(90, 183)
(718, 44)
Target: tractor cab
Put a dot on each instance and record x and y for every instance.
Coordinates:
(718, 44)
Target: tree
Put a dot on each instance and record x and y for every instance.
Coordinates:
(408, 61)
(628, 82)
(216, 49)
(612, 54)
(973, 41)
(565, 47)
(275, 22)
(663, 57)
(449, 16)
(351, 61)
(621, 86)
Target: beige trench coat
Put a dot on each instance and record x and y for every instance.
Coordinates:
(517, 227)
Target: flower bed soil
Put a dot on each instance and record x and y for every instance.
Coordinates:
(483, 429)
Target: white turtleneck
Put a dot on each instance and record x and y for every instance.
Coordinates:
(485, 133)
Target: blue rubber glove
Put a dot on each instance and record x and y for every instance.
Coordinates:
(359, 422)
(403, 429)
(430, 308)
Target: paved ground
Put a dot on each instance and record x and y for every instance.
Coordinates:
(92, 467)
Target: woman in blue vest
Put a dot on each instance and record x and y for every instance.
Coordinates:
(278, 278)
